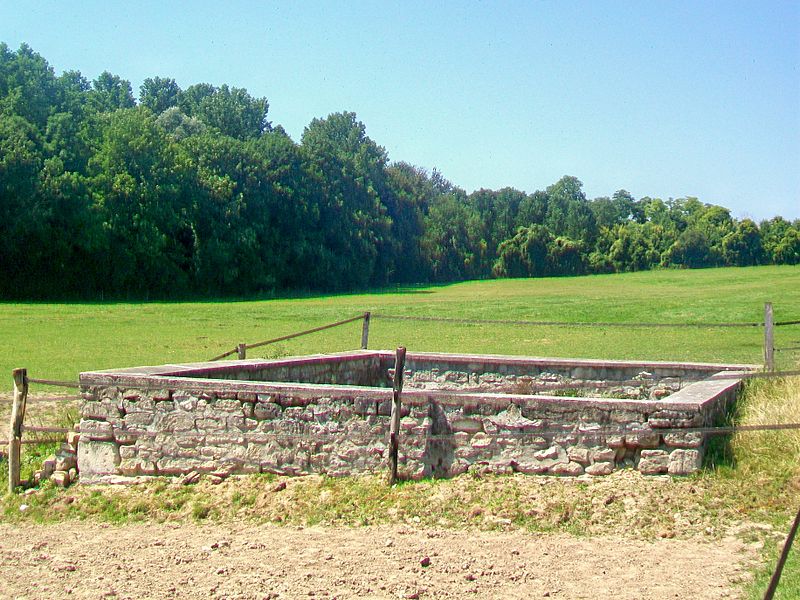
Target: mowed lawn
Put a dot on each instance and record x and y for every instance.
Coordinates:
(60, 340)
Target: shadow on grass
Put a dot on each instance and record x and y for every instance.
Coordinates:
(719, 453)
(201, 298)
(719, 450)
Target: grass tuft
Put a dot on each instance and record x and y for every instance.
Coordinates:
(776, 453)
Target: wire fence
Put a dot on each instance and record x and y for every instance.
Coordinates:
(768, 324)
(523, 322)
(320, 433)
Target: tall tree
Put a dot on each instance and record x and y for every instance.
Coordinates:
(139, 177)
(349, 170)
(27, 85)
(110, 92)
(568, 212)
(159, 93)
(232, 111)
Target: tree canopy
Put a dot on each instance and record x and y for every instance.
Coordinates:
(195, 192)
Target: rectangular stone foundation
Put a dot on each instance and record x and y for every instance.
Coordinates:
(330, 414)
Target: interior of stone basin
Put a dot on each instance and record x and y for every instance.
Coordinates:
(494, 374)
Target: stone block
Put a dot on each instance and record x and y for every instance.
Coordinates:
(161, 395)
(604, 455)
(600, 468)
(136, 420)
(210, 425)
(550, 453)
(96, 430)
(287, 401)
(266, 410)
(102, 410)
(226, 438)
(173, 466)
(643, 438)
(481, 440)
(470, 426)
(652, 462)
(131, 394)
(175, 421)
(142, 404)
(672, 418)
(98, 458)
(164, 406)
(235, 422)
(61, 478)
(566, 439)
(48, 466)
(578, 454)
(528, 467)
(683, 440)
(684, 462)
(615, 441)
(572, 469)
(125, 437)
(132, 468)
(66, 461)
(535, 441)
(227, 405)
(625, 416)
(189, 440)
(126, 452)
(185, 401)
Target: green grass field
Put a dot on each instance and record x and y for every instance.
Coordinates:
(758, 480)
(60, 340)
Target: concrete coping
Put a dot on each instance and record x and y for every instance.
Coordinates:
(185, 369)
(179, 377)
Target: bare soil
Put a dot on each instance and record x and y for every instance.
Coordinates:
(236, 560)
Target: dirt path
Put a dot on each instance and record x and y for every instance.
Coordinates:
(89, 560)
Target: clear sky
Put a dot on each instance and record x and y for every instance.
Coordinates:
(664, 99)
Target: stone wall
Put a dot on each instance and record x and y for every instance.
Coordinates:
(343, 369)
(169, 421)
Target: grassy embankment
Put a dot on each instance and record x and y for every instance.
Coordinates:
(59, 340)
(755, 479)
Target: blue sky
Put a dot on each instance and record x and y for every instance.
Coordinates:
(665, 99)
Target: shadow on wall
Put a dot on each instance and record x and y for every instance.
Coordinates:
(439, 451)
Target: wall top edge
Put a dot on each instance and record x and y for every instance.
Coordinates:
(185, 369)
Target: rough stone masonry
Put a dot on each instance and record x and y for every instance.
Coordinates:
(330, 414)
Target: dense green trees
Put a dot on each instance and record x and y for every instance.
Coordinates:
(194, 191)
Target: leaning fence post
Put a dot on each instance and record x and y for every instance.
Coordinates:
(15, 427)
(365, 331)
(769, 337)
(241, 350)
(394, 427)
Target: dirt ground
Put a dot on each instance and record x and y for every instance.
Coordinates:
(90, 560)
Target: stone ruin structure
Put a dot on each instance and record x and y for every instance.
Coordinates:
(330, 414)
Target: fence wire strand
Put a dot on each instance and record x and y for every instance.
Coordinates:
(565, 323)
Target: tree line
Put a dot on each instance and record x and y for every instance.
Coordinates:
(194, 192)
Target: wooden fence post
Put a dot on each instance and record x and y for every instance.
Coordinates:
(394, 427)
(15, 428)
(776, 575)
(769, 337)
(241, 350)
(365, 331)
